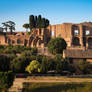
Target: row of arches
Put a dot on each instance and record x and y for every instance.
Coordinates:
(35, 42)
(76, 42)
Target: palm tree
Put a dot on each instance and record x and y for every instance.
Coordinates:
(26, 26)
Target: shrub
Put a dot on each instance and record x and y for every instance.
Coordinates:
(6, 79)
(85, 67)
(33, 67)
(4, 63)
(18, 64)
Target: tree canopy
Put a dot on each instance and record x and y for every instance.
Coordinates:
(10, 25)
(56, 45)
(38, 22)
(26, 26)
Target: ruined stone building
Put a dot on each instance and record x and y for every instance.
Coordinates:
(37, 38)
(77, 36)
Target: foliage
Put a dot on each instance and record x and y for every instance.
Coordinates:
(56, 45)
(26, 26)
(33, 67)
(18, 64)
(71, 69)
(4, 63)
(28, 33)
(61, 64)
(44, 66)
(6, 79)
(38, 22)
(9, 49)
(85, 67)
(31, 22)
(10, 25)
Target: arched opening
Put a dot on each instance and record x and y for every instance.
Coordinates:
(35, 41)
(76, 41)
(90, 43)
(18, 41)
(30, 40)
(25, 43)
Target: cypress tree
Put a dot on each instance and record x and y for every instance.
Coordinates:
(46, 23)
(39, 21)
(43, 23)
(35, 21)
(31, 22)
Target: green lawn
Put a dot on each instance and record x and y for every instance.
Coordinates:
(57, 87)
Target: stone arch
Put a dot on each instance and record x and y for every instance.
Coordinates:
(76, 41)
(35, 41)
(9, 41)
(90, 42)
(18, 41)
(30, 40)
(25, 42)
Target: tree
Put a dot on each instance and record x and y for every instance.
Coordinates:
(44, 65)
(10, 25)
(6, 80)
(31, 22)
(47, 22)
(19, 64)
(71, 69)
(26, 26)
(35, 21)
(33, 67)
(85, 67)
(43, 23)
(61, 64)
(56, 45)
(39, 21)
(5, 25)
(4, 63)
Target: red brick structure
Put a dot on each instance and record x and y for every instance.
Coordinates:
(37, 38)
(77, 36)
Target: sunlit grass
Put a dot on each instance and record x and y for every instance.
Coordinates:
(57, 87)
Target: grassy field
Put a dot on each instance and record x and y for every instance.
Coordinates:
(57, 79)
(57, 87)
(57, 84)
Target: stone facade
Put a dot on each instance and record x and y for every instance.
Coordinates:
(37, 38)
(78, 38)
(76, 35)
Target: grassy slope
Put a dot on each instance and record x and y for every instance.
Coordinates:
(58, 87)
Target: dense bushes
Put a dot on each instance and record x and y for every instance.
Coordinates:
(9, 49)
(85, 67)
(6, 80)
(4, 63)
(18, 61)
